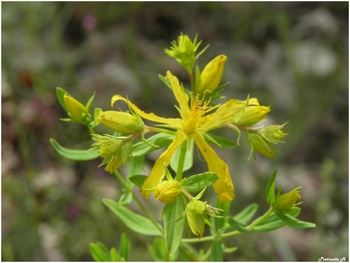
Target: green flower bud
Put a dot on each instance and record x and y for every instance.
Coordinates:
(211, 75)
(273, 133)
(76, 110)
(252, 113)
(184, 51)
(122, 122)
(285, 201)
(196, 216)
(167, 191)
(114, 150)
(259, 144)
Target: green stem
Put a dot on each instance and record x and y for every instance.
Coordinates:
(137, 200)
(181, 163)
(232, 233)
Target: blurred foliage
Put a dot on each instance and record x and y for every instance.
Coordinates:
(292, 55)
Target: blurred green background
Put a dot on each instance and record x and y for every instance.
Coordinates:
(293, 56)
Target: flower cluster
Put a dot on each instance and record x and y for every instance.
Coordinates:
(199, 115)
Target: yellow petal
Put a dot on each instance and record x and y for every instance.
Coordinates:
(158, 170)
(173, 122)
(223, 186)
(180, 95)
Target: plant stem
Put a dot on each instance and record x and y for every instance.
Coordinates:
(232, 233)
(137, 200)
(181, 163)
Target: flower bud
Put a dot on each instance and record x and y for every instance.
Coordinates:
(259, 144)
(273, 133)
(184, 51)
(122, 122)
(76, 110)
(285, 201)
(252, 113)
(167, 191)
(211, 75)
(196, 215)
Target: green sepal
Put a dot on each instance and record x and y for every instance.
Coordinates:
(165, 80)
(160, 139)
(216, 251)
(91, 99)
(138, 179)
(60, 96)
(294, 222)
(76, 155)
(174, 224)
(220, 141)
(99, 252)
(246, 214)
(237, 225)
(270, 189)
(135, 222)
(97, 111)
(198, 182)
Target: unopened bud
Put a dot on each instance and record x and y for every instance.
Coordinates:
(167, 191)
(211, 75)
(122, 122)
(196, 214)
(273, 133)
(252, 113)
(76, 110)
(287, 200)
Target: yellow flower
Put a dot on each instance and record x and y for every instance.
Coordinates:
(197, 117)
(211, 75)
(251, 113)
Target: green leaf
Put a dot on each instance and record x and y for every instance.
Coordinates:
(135, 222)
(270, 189)
(237, 225)
(294, 222)
(138, 179)
(216, 251)
(160, 139)
(158, 250)
(60, 96)
(174, 224)
(99, 252)
(91, 99)
(114, 255)
(76, 155)
(188, 161)
(219, 140)
(273, 222)
(247, 213)
(198, 182)
(124, 248)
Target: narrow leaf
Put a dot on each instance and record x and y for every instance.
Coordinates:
(218, 222)
(174, 224)
(198, 182)
(237, 225)
(124, 248)
(247, 213)
(294, 222)
(188, 161)
(76, 155)
(114, 255)
(270, 189)
(219, 140)
(135, 222)
(99, 252)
